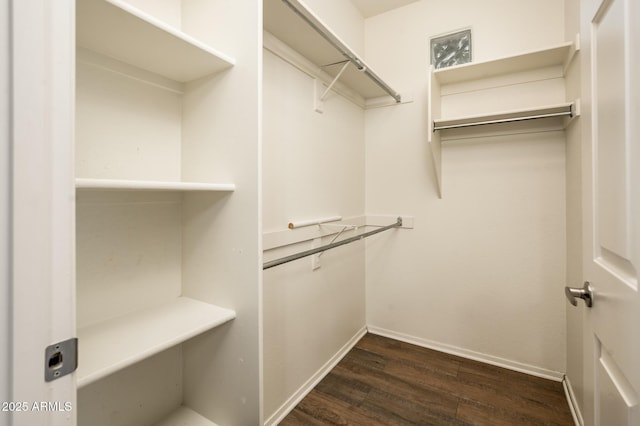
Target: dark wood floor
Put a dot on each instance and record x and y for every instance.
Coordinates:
(386, 382)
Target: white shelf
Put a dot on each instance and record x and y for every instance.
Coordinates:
(185, 416)
(294, 30)
(120, 31)
(555, 55)
(147, 185)
(518, 88)
(112, 345)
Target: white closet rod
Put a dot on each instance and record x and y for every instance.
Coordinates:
(326, 247)
(303, 223)
(317, 25)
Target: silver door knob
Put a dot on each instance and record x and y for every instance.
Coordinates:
(583, 293)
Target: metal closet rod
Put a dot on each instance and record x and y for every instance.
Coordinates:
(326, 247)
(564, 111)
(315, 23)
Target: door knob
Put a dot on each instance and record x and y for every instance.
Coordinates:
(583, 293)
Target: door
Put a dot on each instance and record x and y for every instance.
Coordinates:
(611, 190)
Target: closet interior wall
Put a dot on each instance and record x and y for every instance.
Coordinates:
(482, 272)
(313, 167)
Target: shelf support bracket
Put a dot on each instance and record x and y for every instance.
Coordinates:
(319, 99)
(342, 70)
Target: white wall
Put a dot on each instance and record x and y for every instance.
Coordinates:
(313, 167)
(482, 273)
(343, 18)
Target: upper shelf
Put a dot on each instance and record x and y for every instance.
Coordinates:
(118, 30)
(296, 25)
(556, 55)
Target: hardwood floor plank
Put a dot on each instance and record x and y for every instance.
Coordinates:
(540, 389)
(394, 409)
(330, 411)
(350, 391)
(382, 381)
(412, 354)
(406, 388)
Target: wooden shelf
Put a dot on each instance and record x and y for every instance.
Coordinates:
(292, 29)
(120, 31)
(145, 185)
(185, 416)
(555, 55)
(112, 345)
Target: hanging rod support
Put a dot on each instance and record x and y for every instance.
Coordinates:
(330, 86)
(333, 240)
(333, 40)
(326, 247)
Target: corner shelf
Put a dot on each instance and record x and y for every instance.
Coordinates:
(293, 23)
(149, 185)
(117, 343)
(120, 31)
(524, 87)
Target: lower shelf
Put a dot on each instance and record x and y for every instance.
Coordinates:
(112, 345)
(185, 416)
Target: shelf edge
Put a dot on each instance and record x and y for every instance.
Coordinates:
(563, 50)
(151, 20)
(142, 185)
(222, 315)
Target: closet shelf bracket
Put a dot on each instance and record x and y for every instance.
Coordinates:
(315, 23)
(318, 99)
(337, 77)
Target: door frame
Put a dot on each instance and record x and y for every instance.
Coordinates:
(41, 245)
(5, 183)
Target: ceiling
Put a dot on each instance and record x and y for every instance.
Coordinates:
(370, 8)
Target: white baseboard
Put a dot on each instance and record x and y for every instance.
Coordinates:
(573, 403)
(465, 353)
(308, 386)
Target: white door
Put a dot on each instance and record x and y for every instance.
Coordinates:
(41, 242)
(611, 95)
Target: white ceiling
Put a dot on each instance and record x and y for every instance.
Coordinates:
(370, 8)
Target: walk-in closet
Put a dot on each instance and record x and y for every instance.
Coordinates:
(263, 212)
